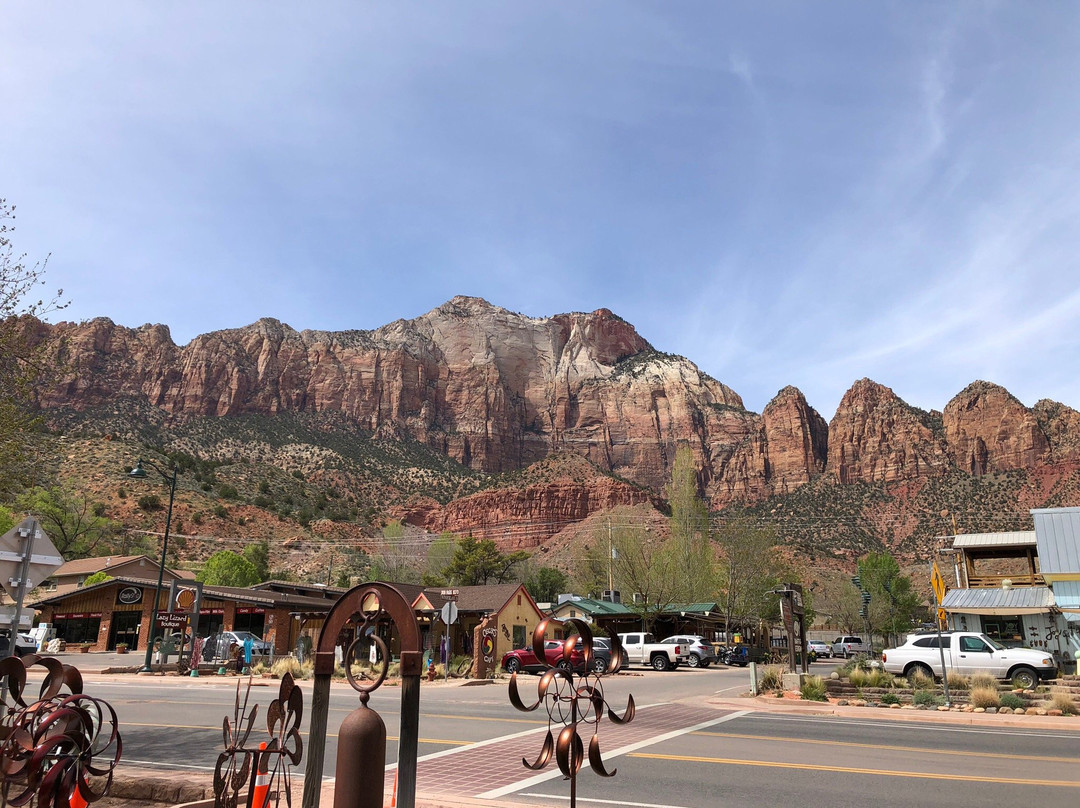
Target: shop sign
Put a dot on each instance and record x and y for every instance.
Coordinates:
(77, 616)
(129, 595)
(172, 621)
(487, 644)
(250, 610)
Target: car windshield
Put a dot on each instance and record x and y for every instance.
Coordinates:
(992, 643)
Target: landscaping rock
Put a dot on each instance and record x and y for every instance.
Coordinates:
(1054, 712)
(979, 710)
(894, 706)
(834, 675)
(858, 702)
(842, 703)
(994, 709)
(1005, 710)
(943, 709)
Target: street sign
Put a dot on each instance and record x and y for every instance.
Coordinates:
(937, 582)
(449, 593)
(44, 558)
(7, 616)
(449, 613)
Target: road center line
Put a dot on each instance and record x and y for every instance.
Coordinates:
(876, 746)
(961, 778)
(833, 721)
(528, 782)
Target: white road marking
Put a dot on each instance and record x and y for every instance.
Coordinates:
(602, 802)
(528, 782)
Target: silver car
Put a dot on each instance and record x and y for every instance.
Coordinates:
(693, 649)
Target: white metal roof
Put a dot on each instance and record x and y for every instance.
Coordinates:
(1058, 532)
(1019, 600)
(1015, 538)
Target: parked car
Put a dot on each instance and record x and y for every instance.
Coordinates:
(523, 659)
(847, 647)
(968, 652)
(819, 648)
(601, 647)
(643, 649)
(24, 643)
(218, 645)
(699, 653)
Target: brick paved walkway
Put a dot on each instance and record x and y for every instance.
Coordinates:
(492, 769)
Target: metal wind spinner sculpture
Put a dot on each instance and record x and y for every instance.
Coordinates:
(61, 749)
(572, 699)
(265, 769)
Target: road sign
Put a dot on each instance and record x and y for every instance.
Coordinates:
(449, 593)
(44, 558)
(449, 613)
(7, 616)
(937, 582)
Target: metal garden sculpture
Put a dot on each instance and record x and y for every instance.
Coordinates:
(572, 699)
(60, 750)
(265, 769)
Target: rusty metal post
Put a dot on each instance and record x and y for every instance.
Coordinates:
(361, 759)
(412, 664)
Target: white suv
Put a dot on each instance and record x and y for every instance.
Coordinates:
(700, 653)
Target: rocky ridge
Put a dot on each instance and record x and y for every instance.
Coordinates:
(497, 391)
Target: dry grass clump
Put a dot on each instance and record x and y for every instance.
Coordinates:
(871, 678)
(285, 665)
(1063, 702)
(920, 681)
(983, 679)
(771, 678)
(984, 696)
(813, 689)
(959, 680)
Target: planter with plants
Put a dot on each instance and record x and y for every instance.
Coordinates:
(121, 648)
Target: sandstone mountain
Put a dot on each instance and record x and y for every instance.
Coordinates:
(429, 412)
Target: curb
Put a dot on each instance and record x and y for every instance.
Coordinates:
(766, 704)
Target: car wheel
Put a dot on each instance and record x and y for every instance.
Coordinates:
(919, 669)
(847, 653)
(624, 660)
(661, 662)
(513, 665)
(1025, 678)
(564, 665)
(705, 664)
(599, 666)
(693, 661)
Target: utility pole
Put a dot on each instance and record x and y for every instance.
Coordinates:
(610, 558)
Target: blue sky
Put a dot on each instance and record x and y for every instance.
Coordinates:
(784, 193)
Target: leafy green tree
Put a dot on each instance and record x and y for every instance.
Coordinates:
(440, 554)
(479, 561)
(752, 567)
(690, 548)
(98, 577)
(226, 568)
(68, 518)
(644, 570)
(894, 607)
(7, 520)
(20, 355)
(259, 555)
(546, 583)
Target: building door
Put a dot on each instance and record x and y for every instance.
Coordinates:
(125, 628)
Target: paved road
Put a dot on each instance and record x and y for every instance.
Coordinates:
(679, 751)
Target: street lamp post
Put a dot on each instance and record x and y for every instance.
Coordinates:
(139, 473)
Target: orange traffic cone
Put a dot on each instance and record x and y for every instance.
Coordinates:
(76, 800)
(261, 794)
(393, 798)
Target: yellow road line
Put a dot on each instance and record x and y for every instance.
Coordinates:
(889, 748)
(851, 770)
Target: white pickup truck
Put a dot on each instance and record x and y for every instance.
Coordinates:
(849, 646)
(643, 649)
(969, 652)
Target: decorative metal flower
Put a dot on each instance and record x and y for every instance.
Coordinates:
(572, 698)
(62, 748)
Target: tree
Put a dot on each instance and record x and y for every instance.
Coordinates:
(894, 607)
(689, 546)
(69, 519)
(226, 568)
(20, 365)
(439, 555)
(644, 568)
(751, 568)
(479, 561)
(397, 562)
(98, 577)
(546, 583)
(259, 555)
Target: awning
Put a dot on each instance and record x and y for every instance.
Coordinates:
(1067, 598)
(994, 601)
